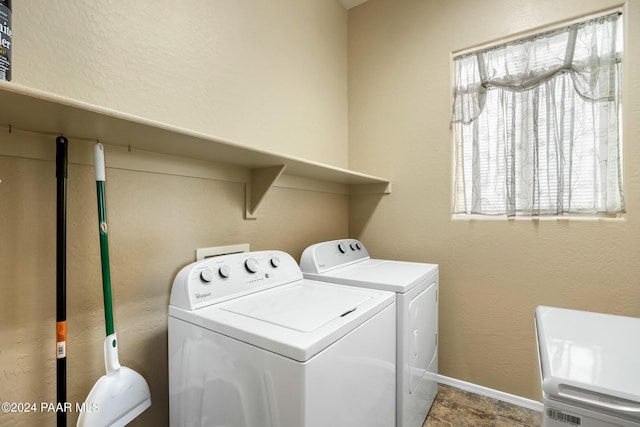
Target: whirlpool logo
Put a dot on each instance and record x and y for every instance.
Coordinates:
(200, 296)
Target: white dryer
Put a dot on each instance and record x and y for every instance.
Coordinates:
(253, 344)
(416, 287)
(590, 368)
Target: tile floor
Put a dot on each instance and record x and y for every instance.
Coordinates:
(458, 408)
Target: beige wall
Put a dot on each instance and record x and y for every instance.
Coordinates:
(268, 74)
(493, 273)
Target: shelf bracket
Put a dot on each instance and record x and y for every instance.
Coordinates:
(262, 179)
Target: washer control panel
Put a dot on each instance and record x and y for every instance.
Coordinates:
(325, 256)
(213, 280)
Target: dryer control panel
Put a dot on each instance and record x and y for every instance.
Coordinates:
(325, 256)
(213, 280)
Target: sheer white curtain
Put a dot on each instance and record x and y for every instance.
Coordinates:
(536, 124)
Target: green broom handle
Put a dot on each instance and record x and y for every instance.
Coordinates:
(104, 242)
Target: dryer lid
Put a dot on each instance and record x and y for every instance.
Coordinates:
(396, 276)
(303, 308)
(590, 359)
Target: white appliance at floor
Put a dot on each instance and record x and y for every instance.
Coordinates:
(416, 287)
(253, 344)
(590, 368)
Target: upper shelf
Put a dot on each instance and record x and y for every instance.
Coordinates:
(38, 111)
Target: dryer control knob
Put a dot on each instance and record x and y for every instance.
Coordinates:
(275, 262)
(342, 247)
(206, 275)
(224, 271)
(353, 246)
(358, 246)
(251, 265)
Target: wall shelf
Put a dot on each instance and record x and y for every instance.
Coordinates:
(37, 111)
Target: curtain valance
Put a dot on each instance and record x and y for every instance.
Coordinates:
(587, 51)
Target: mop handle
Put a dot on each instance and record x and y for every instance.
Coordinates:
(104, 243)
(61, 277)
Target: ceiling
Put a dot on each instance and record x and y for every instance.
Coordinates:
(348, 4)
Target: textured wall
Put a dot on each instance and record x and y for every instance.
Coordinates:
(493, 273)
(268, 74)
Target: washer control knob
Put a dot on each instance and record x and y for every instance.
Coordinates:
(358, 246)
(251, 265)
(342, 247)
(275, 262)
(206, 275)
(224, 271)
(353, 246)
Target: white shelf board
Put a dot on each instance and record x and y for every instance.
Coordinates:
(34, 110)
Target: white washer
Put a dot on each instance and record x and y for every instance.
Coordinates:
(590, 368)
(416, 287)
(253, 344)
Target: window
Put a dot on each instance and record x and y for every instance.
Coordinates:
(536, 124)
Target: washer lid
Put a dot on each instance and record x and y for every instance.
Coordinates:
(303, 308)
(396, 276)
(297, 320)
(590, 359)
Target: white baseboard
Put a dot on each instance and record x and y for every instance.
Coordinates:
(489, 392)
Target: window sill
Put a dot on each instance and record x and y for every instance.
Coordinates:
(546, 218)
